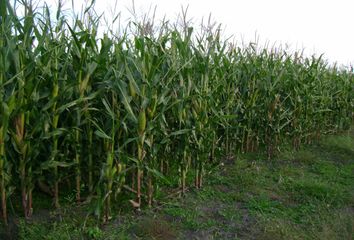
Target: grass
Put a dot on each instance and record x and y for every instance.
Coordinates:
(299, 195)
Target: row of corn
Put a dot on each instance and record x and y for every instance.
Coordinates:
(123, 113)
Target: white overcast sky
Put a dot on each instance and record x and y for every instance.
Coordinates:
(318, 26)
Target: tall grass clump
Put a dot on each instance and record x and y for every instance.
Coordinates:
(133, 110)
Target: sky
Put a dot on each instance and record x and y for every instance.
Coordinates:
(315, 26)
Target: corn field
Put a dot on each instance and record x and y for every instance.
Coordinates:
(137, 108)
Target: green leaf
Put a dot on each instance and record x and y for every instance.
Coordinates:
(180, 132)
(126, 102)
(158, 174)
(52, 164)
(102, 134)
